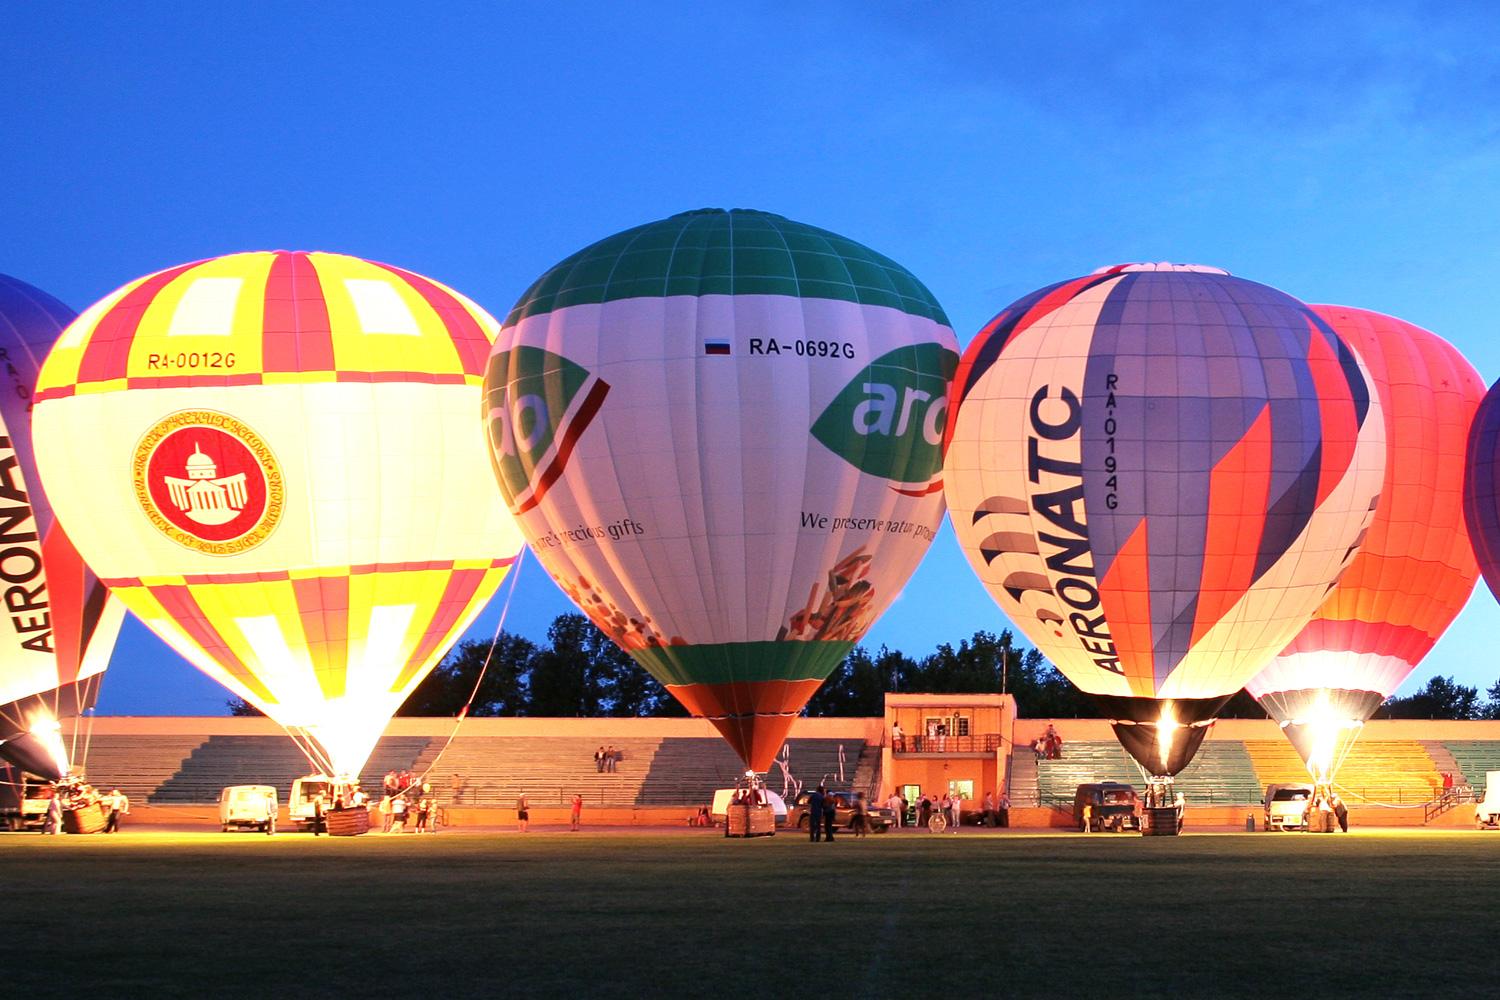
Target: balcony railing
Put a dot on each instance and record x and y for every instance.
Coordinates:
(976, 743)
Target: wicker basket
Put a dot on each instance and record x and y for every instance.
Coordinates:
(347, 822)
(746, 820)
(89, 819)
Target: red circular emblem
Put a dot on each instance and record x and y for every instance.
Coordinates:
(208, 482)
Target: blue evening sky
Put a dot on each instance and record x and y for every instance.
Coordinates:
(1342, 153)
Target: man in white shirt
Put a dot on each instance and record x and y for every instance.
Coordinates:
(118, 805)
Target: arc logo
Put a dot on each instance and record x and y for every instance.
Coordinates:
(208, 482)
(537, 405)
(888, 421)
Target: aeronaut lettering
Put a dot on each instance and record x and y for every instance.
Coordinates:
(21, 557)
(1067, 551)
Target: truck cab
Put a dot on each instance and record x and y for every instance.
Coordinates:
(24, 799)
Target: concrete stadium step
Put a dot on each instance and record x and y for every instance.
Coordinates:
(136, 765)
(1022, 773)
(1220, 773)
(1391, 772)
(221, 761)
(1474, 760)
(492, 771)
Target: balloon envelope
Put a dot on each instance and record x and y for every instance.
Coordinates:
(1157, 471)
(1415, 567)
(721, 433)
(271, 459)
(59, 625)
(1482, 487)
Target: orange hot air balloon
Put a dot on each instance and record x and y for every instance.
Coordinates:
(1415, 567)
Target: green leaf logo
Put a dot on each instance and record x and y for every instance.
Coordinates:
(536, 404)
(889, 420)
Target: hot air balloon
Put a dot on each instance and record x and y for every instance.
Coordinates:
(60, 626)
(1482, 487)
(271, 459)
(1415, 568)
(721, 434)
(1158, 471)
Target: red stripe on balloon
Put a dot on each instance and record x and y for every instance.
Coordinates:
(296, 334)
(323, 606)
(106, 355)
(274, 576)
(180, 605)
(468, 336)
(461, 588)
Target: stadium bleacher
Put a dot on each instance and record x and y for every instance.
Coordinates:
(191, 770)
(1220, 774)
(1389, 772)
(221, 761)
(136, 765)
(1475, 759)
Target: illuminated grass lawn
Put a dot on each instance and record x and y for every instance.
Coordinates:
(625, 914)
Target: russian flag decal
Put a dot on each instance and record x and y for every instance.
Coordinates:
(716, 347)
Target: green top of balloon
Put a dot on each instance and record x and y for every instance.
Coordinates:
(736, 252)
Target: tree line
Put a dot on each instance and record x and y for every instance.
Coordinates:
(578, 671)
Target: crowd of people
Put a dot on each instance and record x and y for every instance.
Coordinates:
(407, 800)
(1048, 746)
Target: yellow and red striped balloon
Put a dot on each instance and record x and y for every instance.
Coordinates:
(272, 460)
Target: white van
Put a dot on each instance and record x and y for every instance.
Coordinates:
(301, 803)
(1487, 809)
(244, 807)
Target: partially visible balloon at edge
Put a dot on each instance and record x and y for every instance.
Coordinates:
(59, 624)
(1415, 567)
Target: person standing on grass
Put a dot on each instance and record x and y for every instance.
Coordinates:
(118, 805)
(53, 823)
(830, 816)
(815, 805)
(398, 813)
(857, 822)
(523, 813)
(576, 816)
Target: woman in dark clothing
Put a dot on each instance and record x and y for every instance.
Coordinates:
(829, 814)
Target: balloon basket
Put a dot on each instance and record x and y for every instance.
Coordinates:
(86, 819)
(1163, 812)
(347, 822)
(745, 819)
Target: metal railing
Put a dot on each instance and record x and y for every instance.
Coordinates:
(974, 743)
(1449, 799)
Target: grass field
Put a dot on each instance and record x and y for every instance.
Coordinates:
(638, 914)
